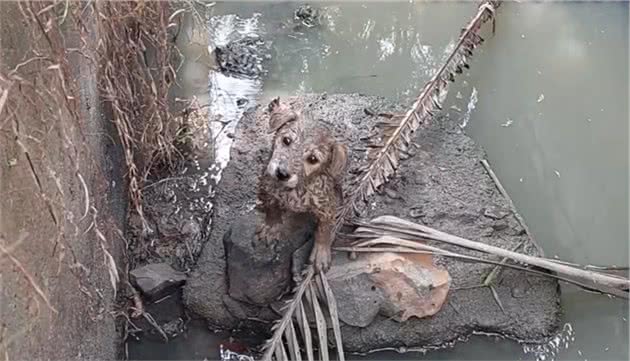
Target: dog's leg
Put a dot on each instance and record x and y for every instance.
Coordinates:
(321, 254)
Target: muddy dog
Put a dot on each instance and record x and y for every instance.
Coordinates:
(302, 178)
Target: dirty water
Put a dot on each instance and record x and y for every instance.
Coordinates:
(546, 96)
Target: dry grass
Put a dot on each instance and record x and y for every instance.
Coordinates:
(136, 54)
(128, 47)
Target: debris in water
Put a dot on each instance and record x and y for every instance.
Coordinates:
(508, 122)
(589, 120)
(541, 98)
(520, 180)
(557, 173)
(472, 104)
(459, 95)
(227, 355)
(522, 36)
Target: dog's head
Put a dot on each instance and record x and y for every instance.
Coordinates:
(300, 151)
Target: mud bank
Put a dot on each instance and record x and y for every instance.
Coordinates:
(57, 301)
(443, 185)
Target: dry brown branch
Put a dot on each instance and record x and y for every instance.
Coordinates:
(317, 299)
(412, 232)
(385, 152)
(507, 197)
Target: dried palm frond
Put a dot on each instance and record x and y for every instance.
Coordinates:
(312, 296)
(385, 153)
(403, 235)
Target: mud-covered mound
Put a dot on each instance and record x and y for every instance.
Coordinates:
(443, 185)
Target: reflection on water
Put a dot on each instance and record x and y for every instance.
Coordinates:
(546, 96)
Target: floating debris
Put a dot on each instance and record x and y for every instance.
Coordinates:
(472, 104)
(507, 123)
(227, 355)
(557, 173)
(541, 97)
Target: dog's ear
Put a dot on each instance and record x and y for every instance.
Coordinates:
(280, 114)
(273, 105)
(338, 160)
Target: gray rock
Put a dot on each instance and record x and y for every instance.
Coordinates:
(452, 192)
(358, 300)
(259, 273)
(157, 279)
(243, 57)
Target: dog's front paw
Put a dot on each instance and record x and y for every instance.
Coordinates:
(320, 258)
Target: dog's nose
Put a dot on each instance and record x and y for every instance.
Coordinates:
(282, 174)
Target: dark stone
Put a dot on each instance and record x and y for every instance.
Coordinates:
(259, 273)
(243, 57)
(157, 279)
(307, 15)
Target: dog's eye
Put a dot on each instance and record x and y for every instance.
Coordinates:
(287, 141)
(312, 159)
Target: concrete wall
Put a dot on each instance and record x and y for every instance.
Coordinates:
(68, 267)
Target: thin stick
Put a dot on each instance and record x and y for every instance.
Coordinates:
(152, 322)
(507, 197)
(162, 181)
(497, 269)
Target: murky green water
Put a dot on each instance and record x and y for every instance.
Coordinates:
(546, 96)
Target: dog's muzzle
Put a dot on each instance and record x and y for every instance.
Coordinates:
(282, 175)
